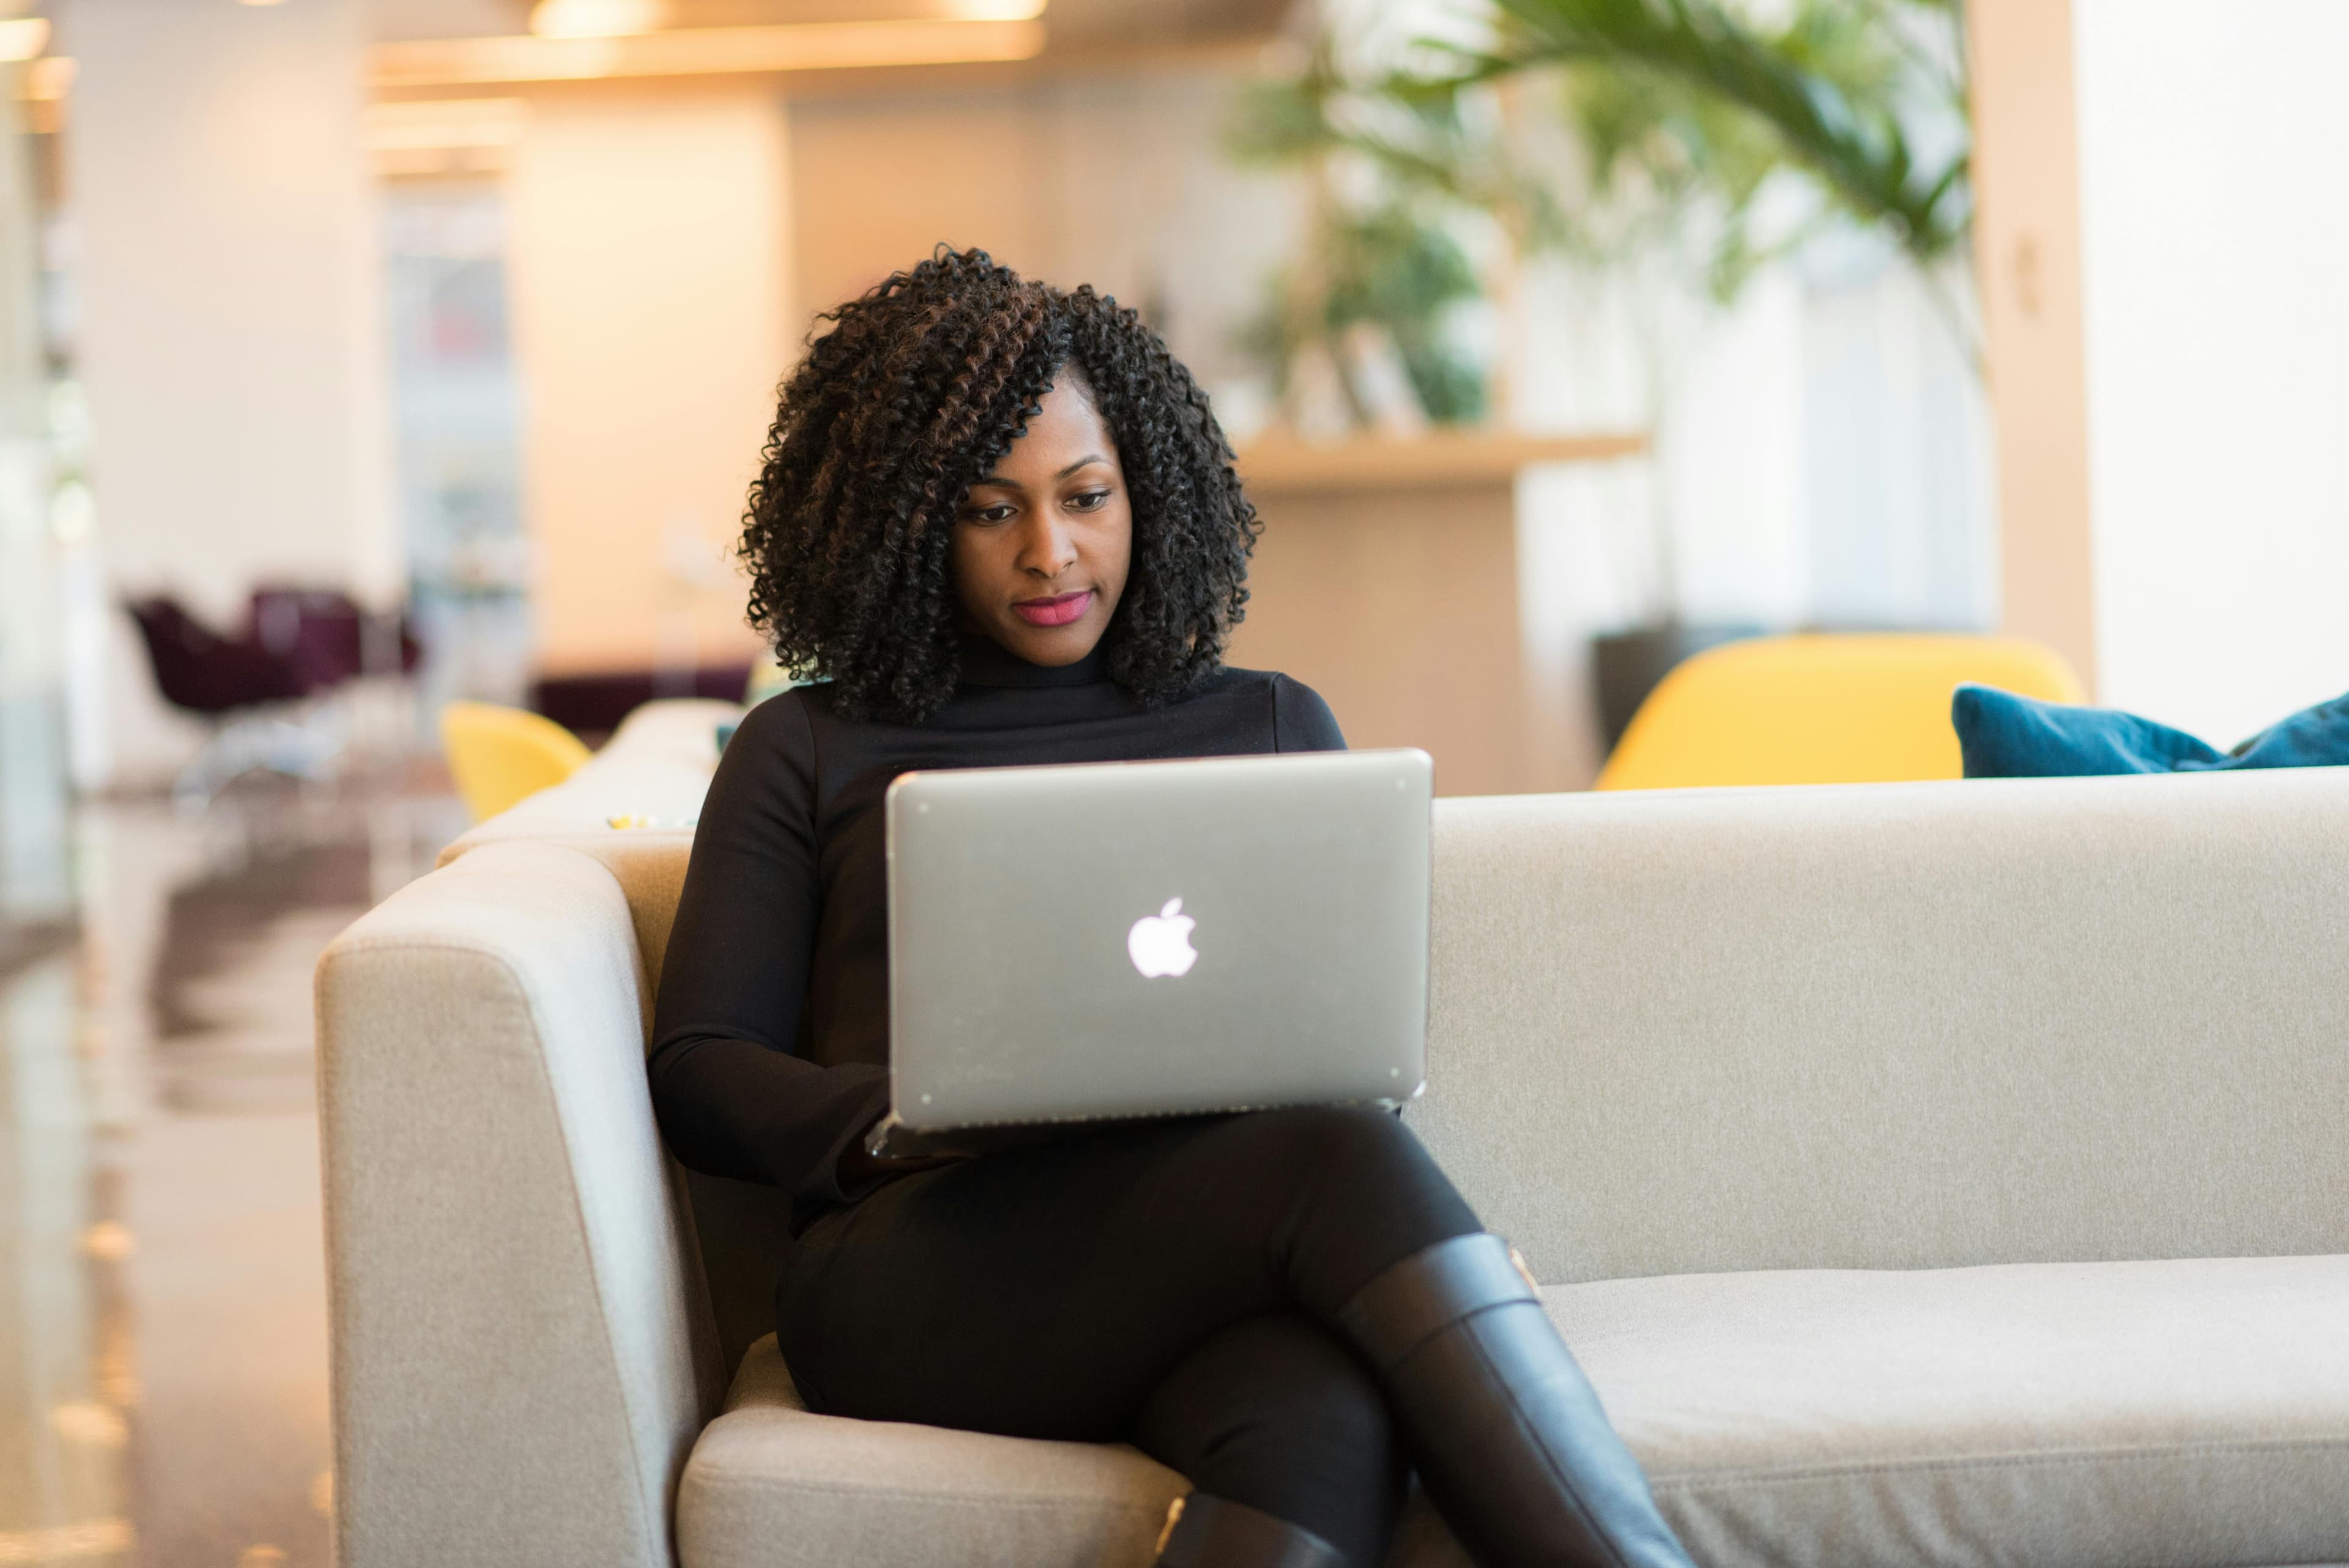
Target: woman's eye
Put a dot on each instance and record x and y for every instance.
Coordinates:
(996, 514)
(1091, 501)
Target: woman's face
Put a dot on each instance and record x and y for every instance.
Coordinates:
(1041, 544)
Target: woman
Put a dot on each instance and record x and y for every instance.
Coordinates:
(998, 524)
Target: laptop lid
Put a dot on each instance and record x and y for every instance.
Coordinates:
(1135, 939)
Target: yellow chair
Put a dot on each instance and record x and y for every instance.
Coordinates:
(1822, 708)
(499, 755)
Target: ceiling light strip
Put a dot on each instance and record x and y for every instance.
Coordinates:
(24, 37)
(704, 51)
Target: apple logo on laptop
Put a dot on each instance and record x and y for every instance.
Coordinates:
(1160, 944)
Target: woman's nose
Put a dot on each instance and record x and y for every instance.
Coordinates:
(1046, 546)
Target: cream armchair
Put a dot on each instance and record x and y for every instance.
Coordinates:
(1933, 1174)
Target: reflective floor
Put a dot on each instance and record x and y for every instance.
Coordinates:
(162, 1303)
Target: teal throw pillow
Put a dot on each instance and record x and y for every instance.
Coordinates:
(2006, 736)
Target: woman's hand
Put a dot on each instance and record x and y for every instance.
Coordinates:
(862, 1169)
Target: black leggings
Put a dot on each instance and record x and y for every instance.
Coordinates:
(1170, 1285)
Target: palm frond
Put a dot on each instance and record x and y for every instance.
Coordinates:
(1823, 88)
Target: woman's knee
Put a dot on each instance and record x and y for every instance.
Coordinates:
(1272, 1397)
(1359, 1193)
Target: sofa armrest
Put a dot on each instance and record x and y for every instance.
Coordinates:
(655, 770)
(521, 1352)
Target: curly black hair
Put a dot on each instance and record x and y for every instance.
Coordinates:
(914, 394)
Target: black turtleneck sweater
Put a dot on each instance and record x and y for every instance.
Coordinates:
(770, 1039)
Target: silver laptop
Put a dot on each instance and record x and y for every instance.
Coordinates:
(1119, 940)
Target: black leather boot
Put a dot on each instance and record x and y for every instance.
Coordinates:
(1203, 1531)
(1508, 1434)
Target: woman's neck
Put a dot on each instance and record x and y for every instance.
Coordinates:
(986, 662)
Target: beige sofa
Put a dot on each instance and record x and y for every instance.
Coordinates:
(1938, 1174)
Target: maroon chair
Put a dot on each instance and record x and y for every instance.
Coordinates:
(326, 635)
(244, 690)
(207, 674)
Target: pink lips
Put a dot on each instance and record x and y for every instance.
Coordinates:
(1058, 610)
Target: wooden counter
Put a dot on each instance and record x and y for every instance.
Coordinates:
(1440, 460)
(1387, 580)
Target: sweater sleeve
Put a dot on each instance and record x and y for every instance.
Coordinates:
(732, 1093)
(1301, 721)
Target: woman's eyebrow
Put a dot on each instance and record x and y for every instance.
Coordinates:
(999, 481)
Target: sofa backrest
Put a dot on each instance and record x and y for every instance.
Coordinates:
(1897, 1025)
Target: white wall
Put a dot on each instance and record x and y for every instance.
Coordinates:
(1896, 435)
(1729, 455)
(651, 283)
(228, 338)
(1822, 447)
(2214, 213)
(1117, 179)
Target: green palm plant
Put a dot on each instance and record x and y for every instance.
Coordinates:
(1393, 262)
(1864, 98)
(1389, 269)
(1685, 113)
(1425, 136)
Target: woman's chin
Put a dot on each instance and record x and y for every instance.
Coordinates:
(1051, 646)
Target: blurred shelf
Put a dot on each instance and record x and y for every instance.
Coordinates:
(1440, 460)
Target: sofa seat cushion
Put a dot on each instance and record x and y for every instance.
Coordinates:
(771, 1485)
(2189, 1414)
(2136, 1415)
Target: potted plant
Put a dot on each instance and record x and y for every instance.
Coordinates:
(1685, 116)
